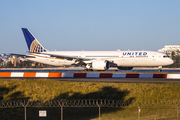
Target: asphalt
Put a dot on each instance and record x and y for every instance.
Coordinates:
(122, 80)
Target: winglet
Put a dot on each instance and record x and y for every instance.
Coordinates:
(33, 44)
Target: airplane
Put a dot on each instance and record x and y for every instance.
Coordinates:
(93, 60)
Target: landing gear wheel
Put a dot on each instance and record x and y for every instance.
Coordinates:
(159, 68)
(88, 69)
(100, 70)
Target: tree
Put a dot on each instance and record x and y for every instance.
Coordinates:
(173, 55)
(9, 65)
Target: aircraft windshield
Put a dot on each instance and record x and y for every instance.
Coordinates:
(165, 56)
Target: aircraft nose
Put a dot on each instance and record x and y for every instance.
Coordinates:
(171, 61)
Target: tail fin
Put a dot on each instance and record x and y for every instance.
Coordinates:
(33, 44)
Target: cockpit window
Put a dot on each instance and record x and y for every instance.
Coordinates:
(165, 56)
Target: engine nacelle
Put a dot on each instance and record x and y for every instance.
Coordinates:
(125, 68)
(100, 65)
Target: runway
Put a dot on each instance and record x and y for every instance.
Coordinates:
(81, 70)
(108, 80)
(121, 80)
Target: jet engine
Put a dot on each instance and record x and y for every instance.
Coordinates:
(125, 68)
(100, 65)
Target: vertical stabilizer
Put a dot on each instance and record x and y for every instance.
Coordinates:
(33, 44)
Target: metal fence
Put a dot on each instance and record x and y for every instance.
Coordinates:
(87, 109)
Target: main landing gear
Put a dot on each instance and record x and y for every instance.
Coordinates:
(88, 66)
(160, 69)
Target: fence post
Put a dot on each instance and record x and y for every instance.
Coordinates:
(61, 112)
(139, 110)
(99, 113)
(61, 108)
(99, 110)
(25, 113)
(177, 105)
(25, 105)
(177, 113)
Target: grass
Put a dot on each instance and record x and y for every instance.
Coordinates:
(54, 89)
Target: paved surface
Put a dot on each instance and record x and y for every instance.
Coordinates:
(109, 80)
(123, 80)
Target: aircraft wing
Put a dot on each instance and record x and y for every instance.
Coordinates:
(23, 56)
(68, 57)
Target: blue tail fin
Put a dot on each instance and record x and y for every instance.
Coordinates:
(33, 44)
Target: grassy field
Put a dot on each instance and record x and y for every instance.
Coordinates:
(54, 89)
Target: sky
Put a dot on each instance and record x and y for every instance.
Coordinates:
(71, 25)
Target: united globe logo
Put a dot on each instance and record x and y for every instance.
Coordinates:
(37, 47)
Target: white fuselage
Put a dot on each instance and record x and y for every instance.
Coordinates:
(120, 58)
